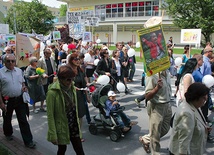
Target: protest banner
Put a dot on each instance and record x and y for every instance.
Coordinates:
(4, 28)
(155, 55)
(191, 36)
(56, 35)
(73, 17)
(76, 30)
(92, 21)
(86, 36)
(25, 48)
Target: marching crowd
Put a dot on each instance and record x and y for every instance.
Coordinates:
(67, 97)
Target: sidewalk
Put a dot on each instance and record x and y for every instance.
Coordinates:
(16, 146)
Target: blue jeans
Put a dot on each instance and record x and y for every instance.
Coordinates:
(132, 71)
(122, 119)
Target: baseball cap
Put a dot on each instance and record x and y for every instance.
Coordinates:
(111, 93)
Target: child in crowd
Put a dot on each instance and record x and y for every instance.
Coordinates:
(112, 105)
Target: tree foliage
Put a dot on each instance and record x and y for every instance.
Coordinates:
(63, 10)
(28, 16)
(192, 14)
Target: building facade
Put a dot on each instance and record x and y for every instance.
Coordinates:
(119, 20)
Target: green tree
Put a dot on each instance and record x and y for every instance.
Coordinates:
(63, 10)
(30, 15)
(192, 14)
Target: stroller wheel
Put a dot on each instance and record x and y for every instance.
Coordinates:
(114, 136)
(93, 129)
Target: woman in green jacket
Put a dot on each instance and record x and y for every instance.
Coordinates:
(63, 122)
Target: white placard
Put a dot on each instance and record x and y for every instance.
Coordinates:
(4, 28)
(73, 17)
(76, 30)
(191, 36)
(86, 36)
(92, 21)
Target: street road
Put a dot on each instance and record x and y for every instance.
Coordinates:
(101, 144)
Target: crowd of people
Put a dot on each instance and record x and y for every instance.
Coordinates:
(67, 97)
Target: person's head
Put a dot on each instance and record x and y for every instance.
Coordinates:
(199, 58)
(116, 53)
(104, 53)
(170, 38)
(74, 60)
(33, 61)
(197, 94)
(170, 51)
(119, 45)
(153, 37)
(65, 75)
(91, 52)
(8, 50)
(125, 50)
(53, 47)
(97, 51)
(129, 43)
(47, 52)
(10, 61)
(189, 66)
(186, 49)
(111, 95)
(81, 57)
(209, 44)
(208, 51)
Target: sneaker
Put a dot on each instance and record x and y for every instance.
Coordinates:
(137, 102)
(9, 138)
(31, 145)
(35, 111)
(43, 110)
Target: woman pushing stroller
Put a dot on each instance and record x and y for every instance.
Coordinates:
(113, 106)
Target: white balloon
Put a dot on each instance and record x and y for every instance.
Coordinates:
(48, 42)
(98, 41)
(110, 52)
(178, 61)
(96, 62)
(131, 52)
(208, 80)
(121, 87)
(65, 47)
(103, 79)
(84, 43)
(138, 44)
(87, 57)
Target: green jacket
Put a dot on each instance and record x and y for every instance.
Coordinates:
(57, 119)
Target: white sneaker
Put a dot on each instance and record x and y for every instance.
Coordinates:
(35, 111)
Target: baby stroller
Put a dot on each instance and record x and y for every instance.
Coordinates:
(101, 121)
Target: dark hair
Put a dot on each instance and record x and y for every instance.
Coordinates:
(81, 56)
(189, 67)
(71, 58)
(114, 53)
(64, 72)
(102, 51)
(186, 47)
(195, 91)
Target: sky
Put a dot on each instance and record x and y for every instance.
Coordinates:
(51, 3)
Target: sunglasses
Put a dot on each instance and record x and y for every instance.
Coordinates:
(76, 59)
(8, 61)
(35, 61)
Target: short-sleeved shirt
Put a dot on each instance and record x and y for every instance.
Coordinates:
(164, 94)
(11, 82)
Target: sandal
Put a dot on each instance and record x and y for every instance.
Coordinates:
(145, 145)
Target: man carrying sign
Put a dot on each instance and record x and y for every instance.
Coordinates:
(158, 93)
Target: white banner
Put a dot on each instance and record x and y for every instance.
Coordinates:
(73, 17)
(191, 36)
(4, 28)
(92, 21)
